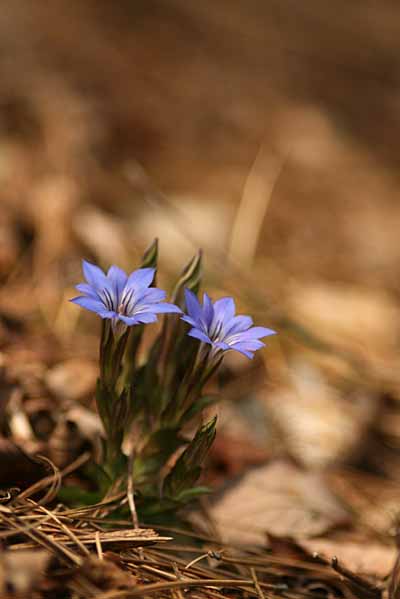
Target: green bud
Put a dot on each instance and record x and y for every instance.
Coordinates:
(190, 278)
(188, 468)
(150, 256)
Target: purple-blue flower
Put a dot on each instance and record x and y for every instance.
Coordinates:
(215, 323)
(122, 297)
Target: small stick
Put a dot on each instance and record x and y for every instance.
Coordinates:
(131, 491)
(131, 497)
(196, 560)
(178, 576)
(98, 545)
(151, 589)
(257, 584)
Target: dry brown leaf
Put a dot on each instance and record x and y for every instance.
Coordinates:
(318, 425)
(106, 574)
(231, 455)
(279, 498)
(393, 587)
(352, 319)
(373, 499)
(73, 379)
(20, 571)
(361, 557)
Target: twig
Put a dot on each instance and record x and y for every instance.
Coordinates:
(98, 546)
(151, 589)
(178, 576)
(257, 584)
(55, 478)
(130, 489)
(196, 560)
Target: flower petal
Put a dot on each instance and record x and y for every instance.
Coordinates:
(141, 278)
(197, 334)
(193, 305)
(129, 320)
(94, 275)
(189, 320)
(108, 314)
(208, 310)
(224, 309)
(221, 345)
(243, 349)
(255, 333)
(89, 304)
(238, 324)
(118, 279)
(163, 307)
(153, 294)
(87, 290)
(253, 345)
(145, 318)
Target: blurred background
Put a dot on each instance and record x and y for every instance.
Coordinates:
(266, 133)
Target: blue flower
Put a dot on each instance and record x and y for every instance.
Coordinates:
(120, 297)
(216, 324)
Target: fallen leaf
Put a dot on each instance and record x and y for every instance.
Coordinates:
(363, 557)
(73, 379)
(279, 498)
(20, 571)
(349, 318)
(318, 424)
(230, 456)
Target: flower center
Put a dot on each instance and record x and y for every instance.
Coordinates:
(127, 303)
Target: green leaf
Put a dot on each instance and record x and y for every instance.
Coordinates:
(154, 508)
(124, 408)
(75, 496)
(156, 452)
(198, 406)
(187, 469)
(193, 493)
(104, 401)
(112, 348)
(97, 474)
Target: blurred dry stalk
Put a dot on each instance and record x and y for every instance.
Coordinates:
(251, 212)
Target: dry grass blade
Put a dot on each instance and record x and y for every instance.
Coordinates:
(54, 480)
(257, 584)
(151, 589)
(359, 584)
(40, 538)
